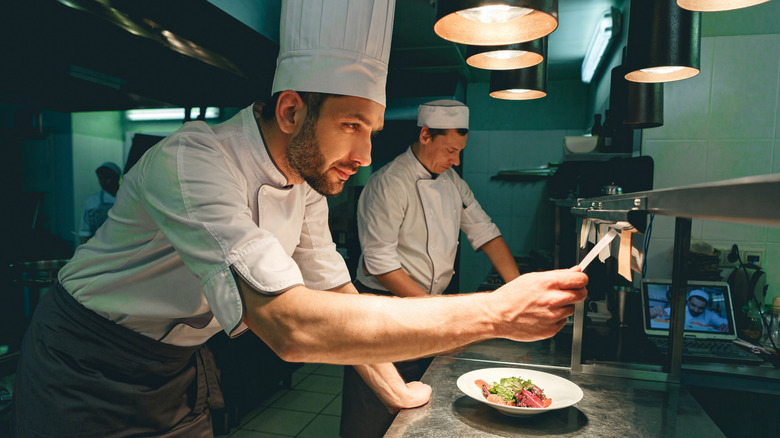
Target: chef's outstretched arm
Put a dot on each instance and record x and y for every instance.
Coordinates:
(305, 325)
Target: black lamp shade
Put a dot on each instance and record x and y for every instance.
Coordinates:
(507, 57)
(664, 42)
(637, 105)
(471, 21)
(645, 107)
(519, 84)
(717, 5)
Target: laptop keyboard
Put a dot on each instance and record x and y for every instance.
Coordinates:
(706, 348)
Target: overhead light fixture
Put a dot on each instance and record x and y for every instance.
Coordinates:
(608, 26)
(495, 23)
(155, 114)
(717, 5)
(519, 84)
(507, 57)
(664, 42)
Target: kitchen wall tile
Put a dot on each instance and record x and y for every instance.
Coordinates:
(731, 231)
(776, 151)
(280, 421)
(728, 159)
(475, 156)
(773, 235)
(677, 162)
(687, 103)
(523, 235)
(499, 198)
(745, 86)
(659, 258)
(526, 198)
(503, 150)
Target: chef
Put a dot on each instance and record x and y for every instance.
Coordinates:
(410, 214)
(225, 228)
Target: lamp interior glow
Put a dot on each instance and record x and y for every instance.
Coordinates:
(494, 13)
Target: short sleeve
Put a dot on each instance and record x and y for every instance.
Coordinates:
(381, 208)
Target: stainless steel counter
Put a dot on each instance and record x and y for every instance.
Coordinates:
(610, 407)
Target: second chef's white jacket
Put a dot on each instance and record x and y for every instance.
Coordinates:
(408, 219)
(203, 201)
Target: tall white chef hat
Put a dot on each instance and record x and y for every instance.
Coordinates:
(443, 114)
(335, 47)
(699, 293)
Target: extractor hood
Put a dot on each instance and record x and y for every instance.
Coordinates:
(99, 55)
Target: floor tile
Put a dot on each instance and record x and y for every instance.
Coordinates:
(325, 384)
(280, 421)
(255, 434)
(334, 408)
(330, 370)
(305, 401)
(324, 426)
(274, 397)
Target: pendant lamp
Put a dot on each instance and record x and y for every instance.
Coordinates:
(495, 22)
(519, 84)
(717, 5)
(664, 42)
(507, 57)
(637, 105)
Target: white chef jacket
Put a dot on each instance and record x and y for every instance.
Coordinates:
(96, 205)
(202, 201)
(408, 219)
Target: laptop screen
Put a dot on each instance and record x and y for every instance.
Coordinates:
(708, 309)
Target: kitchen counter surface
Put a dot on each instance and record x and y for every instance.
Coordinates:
(610, 407)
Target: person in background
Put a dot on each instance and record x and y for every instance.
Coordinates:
(697, 315)
(225, 228)
(96, 207)
(410, 215)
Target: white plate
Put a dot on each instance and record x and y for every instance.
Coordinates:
(562, 392)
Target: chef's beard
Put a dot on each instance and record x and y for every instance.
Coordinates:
(305, 157)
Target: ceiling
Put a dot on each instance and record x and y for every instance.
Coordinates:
(89, 55)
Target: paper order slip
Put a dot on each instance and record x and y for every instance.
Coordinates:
(597, 249)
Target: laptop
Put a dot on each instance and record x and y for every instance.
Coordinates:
(709, 327)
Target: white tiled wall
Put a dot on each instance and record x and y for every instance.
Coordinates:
(722, 124)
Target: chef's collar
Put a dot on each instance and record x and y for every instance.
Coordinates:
(420, 170)
(267, 166)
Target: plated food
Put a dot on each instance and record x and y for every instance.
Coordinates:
(514, 391)
(551, 391)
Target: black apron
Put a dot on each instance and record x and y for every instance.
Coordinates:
(81, 375)
(363, 415)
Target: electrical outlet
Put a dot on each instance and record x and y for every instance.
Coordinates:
(752, 256)
(724, 258)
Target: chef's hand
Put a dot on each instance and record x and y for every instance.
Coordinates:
(535, 306)
(417, 394)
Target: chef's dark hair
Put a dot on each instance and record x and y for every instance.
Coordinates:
(312, 100)
(434, 131)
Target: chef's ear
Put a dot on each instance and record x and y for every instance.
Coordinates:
(425, 135)
(290, 111)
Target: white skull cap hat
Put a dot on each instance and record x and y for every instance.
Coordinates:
(335, 47)
(699, 293)
(443, 114)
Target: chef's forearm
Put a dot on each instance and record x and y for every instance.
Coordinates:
(502, 259)
(302, 325)
(400, 284)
